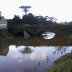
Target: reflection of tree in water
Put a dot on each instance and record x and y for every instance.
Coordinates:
(47, 59)
(4, 50)
(26, 50)
(60, 49)
(36, 66)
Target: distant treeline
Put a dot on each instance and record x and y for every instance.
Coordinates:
(31, 19)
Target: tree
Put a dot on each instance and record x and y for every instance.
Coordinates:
(26, 50)
(16, 20)
(53, 19)
(25, 9)
(28, 19)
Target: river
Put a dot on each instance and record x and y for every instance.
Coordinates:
(32, 55)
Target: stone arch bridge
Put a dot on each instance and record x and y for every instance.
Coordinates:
(36, 30)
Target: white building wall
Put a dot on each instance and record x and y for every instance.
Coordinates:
(3, 26)
(3, 23)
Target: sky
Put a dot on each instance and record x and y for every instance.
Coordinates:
(60, 9)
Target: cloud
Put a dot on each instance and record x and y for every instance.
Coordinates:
(12, 48)
(38, 56)
(18, 57)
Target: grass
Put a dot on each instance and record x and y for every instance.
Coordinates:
(63, 64)
(39, 41)
(70, 36)
(6, 36)
(64, 58)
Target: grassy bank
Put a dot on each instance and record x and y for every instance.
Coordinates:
(63, 64)
(4, 35)
(40, 41)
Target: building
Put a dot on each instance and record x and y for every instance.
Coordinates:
(3, 22)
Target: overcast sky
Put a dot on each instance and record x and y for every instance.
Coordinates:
(61, 9)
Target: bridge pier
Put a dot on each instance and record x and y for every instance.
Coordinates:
(26, 35)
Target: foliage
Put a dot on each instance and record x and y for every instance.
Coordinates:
(70, 36)
(16, 20)
(31, 19)
(4, 35)
(28, 19)
(25, 8)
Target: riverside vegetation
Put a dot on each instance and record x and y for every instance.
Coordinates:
(63, 64)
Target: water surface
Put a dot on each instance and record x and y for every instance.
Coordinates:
(30, 58)
(48, 35)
